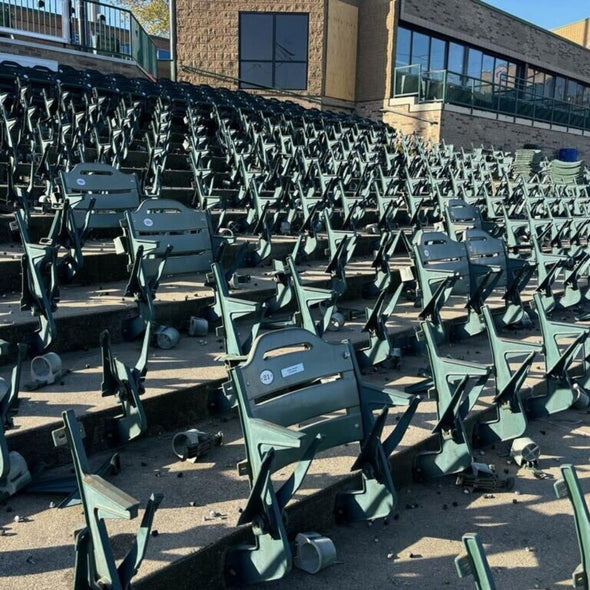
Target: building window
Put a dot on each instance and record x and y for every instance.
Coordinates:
(474, 63)
(559, 88)
(438, 50)
(549, 86)
(472, 69)
(487, 68)
(403, 47)
(500, 71)
(456, 63)
(163, 54)
(420, 50)
(273, 50)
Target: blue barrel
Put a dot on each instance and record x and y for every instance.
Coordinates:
(568, 154)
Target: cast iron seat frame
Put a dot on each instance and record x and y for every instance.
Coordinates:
(95, 562)
(292, 405)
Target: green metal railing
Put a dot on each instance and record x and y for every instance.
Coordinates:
(507, 96)
(112, 30)
(88, 24)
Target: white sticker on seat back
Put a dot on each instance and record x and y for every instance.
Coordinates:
(292, 370)
(266, 377)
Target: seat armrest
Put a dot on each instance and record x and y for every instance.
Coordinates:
(376, 395)
(275, 436)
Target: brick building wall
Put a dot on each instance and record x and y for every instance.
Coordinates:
(578, 32)
(425, 122)
(208, 37)
(464, 130)
(474, 22)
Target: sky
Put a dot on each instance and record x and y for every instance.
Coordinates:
(546, 13)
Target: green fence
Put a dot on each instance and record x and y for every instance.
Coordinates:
(115, 31)
(88, 24)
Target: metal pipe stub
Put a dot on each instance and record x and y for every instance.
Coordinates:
(525, 451)
(193, 444)
(313, 552)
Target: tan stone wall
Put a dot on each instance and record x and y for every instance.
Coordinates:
(578, 32)
(479, 24)
(375, 50)
(341, 50)
(424, 123)
(208, 37)
(463, 130)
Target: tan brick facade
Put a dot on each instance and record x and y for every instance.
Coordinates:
(578, 32)
(208, 37)
(426, 122)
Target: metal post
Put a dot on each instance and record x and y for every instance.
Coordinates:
(81, 10)
(66, 16)
(172, 5)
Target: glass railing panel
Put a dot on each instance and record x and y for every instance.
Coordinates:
(433, 86)
(407, 80)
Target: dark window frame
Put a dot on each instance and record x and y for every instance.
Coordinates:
(522, 67)
(243, 84)
(409, 48)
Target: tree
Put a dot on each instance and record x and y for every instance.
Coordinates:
(152, 14)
